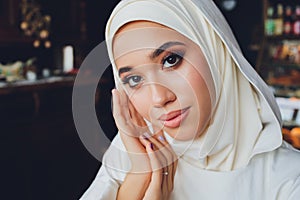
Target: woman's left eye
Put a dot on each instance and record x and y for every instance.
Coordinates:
(171, 60)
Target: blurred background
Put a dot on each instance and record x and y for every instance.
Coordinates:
(42, 45)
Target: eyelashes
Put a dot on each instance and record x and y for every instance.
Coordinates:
(132, 81)
(173, 59)
(169, 62)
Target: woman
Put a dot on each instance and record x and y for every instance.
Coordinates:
(195, 120)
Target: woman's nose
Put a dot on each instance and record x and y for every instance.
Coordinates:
(161, 95)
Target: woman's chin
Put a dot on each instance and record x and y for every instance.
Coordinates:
(182, 133)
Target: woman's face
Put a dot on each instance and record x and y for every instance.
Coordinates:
(166, 77)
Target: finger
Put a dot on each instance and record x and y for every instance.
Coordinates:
(145, 142)
(174, 172)
(124, 104)
(121, 113)
(137, 118)
(161, 138)
(159, 135)
(171, 175)
(123, 98)
(117, 111)
(164, 147)
(167, 180)
(158, 155)
(171, 168)
(154, 161)
(171, 159)
(167, 170)
(164, 186)
(154, 190)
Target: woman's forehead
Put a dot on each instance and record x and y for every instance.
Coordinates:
(143, 35)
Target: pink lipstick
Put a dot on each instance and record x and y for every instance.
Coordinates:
(174, 119)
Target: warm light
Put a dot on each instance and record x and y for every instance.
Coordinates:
(44, 34)
(34, 24)
(28, 32)
(36, 43)
(47, 18)
(24, 25)
(47, 44)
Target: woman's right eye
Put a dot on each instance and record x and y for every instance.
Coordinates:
(132, 81)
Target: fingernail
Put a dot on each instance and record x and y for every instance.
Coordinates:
(146, 135)
(161, 138)
(143, 137)
(151, 146)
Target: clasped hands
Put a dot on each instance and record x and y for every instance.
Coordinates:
(153, 162)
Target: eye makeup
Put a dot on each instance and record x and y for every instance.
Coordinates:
(132, 80)
(172, 59)
(168, 59)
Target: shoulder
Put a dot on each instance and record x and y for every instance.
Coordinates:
(116, 160)
(111, 173)
(102, 187)
(281, 163)
(283, 171)
(286, 158)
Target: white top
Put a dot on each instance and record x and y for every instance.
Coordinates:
(269, 176)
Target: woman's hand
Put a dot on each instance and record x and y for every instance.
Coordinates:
(131, 126)
(164, 163)
(153, 160)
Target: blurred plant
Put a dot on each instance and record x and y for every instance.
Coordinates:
(34, 24)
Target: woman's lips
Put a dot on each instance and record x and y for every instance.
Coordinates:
(174, 119)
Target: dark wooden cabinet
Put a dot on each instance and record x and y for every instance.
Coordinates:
(9, 21)
(10, 32)
(80, 23)
(68, 21)
(42, 156)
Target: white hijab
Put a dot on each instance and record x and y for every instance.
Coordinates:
(246, 120)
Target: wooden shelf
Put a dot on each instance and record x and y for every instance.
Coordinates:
(276, 72)
(33, 86)
(283, 37)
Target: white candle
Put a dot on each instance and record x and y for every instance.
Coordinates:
(68, 58)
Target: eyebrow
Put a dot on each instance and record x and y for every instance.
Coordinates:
(124, 70)
(163, 47)
(153, 55)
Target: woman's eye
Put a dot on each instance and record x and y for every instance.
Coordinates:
(171, 60)
(132, 81)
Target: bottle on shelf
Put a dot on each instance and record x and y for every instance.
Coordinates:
(269, 23)
(278, 20)
(296, 27)
(288, 20)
